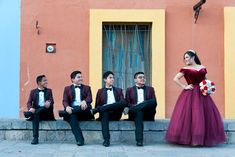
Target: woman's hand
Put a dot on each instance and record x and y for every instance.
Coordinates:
(188, 87)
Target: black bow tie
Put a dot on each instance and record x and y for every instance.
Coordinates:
(109, 89)
(41, 90)
(140, 87)
(78, 87)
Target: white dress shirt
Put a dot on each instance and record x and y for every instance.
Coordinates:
(140, 95)
(110, 97)
(77, 100)
(41, 100)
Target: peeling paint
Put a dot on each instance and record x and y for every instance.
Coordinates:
(28, 77)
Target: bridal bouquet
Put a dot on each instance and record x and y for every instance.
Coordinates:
(207, 87)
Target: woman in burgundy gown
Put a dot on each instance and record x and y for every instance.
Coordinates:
(195, 120)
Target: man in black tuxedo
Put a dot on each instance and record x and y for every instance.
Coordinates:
(40, 106)
(142, 104)
(77, 100)
(109, 103)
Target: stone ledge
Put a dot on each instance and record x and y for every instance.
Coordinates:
(18, 124)
(157, 125)
(122, 125)
(121, 131)
(230, 125)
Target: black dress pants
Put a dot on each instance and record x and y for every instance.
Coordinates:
(39, 115)
(144, 111)
(78, 115)
(110, 112)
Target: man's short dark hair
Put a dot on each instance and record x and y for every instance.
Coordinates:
(74, 73)
(138, 73)
(39, 78)
(107, 73)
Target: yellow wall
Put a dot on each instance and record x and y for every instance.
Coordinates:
(157, 18)
(229, 60)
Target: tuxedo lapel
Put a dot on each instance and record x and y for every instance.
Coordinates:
(135, 94)
(105, 95)
(73, 92)
(46, 94)
(36, 97)
(81, 92)
(115, 94)
(145, 93)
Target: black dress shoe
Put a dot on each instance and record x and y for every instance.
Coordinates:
(94, 111)
(106, 143)
(80, 143)
(34, 141)
(139, 143)
(125, 110)
(28, 114)
(63, 113)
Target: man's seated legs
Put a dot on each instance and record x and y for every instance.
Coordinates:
(39, 115)
(74, 119)
(105, 117)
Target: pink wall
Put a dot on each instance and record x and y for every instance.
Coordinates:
(67, 24)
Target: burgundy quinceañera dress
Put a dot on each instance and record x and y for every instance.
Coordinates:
(195, 119)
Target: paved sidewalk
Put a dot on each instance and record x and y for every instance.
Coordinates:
(24, 148)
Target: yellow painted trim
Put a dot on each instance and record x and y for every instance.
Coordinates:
(157, 18)
(229, 55)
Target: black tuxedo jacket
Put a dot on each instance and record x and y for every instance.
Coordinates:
(34, 99)
(69, 95)
(101, 96)
(132, 97)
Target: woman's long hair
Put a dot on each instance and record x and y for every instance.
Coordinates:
(192, 53)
